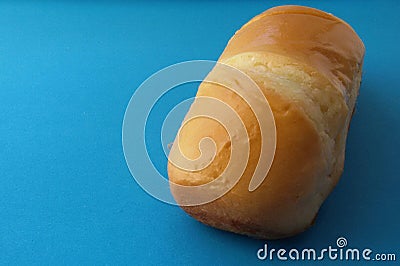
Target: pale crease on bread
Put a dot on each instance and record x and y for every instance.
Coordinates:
(308, 65)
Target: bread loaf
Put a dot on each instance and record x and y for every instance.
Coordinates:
(307, 64)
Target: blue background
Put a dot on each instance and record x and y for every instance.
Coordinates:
(67, 72)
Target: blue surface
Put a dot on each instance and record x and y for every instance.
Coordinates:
(67, 72)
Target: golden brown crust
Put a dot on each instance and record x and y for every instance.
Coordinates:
(308, 35)
(308, 44)
(292, 180)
